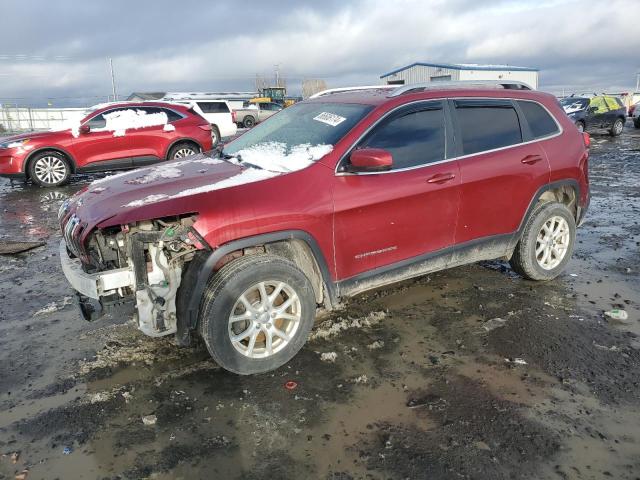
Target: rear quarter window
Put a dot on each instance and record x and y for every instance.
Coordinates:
(487, 126)
(213, 107)
(540, 121)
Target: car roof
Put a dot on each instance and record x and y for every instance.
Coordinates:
(382, 95)
(124, 104)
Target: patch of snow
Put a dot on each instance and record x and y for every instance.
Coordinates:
(329, 357)
(153, 174)
(249, 175)
(574, 107)
(376, 345)
(149, 419)
(169, 128)
(277, 157)
(361, 379)
(330, 328)
(146, 200)
(120, 121)
(53, 307)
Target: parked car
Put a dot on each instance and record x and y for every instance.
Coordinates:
(598, 112)
(219, 114)
(253, 113)
(636, 115)
(109, 137)
(336, 195)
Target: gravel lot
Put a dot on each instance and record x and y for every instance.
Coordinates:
(430, 386)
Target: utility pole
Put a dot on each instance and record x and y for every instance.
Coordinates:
(113, 80)
(277, 69)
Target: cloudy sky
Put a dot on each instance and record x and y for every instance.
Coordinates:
(58, 51)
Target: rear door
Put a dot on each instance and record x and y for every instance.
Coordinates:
(383, 218)
(599, 116)
(101, 148)
(150, 139)
(500, 168)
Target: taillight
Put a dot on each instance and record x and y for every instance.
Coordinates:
(233, 116)
(587, 139)
(206, 127)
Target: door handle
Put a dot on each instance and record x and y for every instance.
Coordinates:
(441, 178)
(531, 159)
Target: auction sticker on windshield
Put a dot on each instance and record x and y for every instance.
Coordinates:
(329, 118)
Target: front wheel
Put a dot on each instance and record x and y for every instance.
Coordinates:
(546, 244)
(182, 150)
(617, 127)
(256, 313)
(49, 169)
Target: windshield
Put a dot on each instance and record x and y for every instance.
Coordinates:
(573, 104)
(297, 136)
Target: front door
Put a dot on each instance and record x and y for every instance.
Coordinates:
(382, 218)
(102, 147)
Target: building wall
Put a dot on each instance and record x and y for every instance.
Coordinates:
(530, 78)
(421, 74)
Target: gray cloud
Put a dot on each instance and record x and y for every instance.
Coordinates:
(193, 45)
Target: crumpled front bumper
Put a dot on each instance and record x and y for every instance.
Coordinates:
(93, 288)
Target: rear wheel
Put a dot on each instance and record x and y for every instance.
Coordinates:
(580, 126)
(215, 136)
(183, 149)
(546, 244)
(617, 127)
(49, 169)
(248, 121)
(256, 313)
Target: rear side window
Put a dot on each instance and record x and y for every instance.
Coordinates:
(171, 115)
(540, 121)
(487, 126)
(414, 138)
(213, 107)
(613, 103)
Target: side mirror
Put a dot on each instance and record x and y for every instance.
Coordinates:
(370, 160)
(85, 128)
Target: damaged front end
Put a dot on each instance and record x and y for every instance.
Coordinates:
(133, 269)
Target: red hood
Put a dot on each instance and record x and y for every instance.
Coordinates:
(163, 190)
(36, 135)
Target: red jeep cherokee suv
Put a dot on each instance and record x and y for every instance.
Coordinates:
(109, 137)
(345, 192)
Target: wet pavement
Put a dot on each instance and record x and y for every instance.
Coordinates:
(467, 373)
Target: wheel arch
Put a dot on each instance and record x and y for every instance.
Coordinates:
(182, 140)
(297, 246)
(62, 151)
(565, 191)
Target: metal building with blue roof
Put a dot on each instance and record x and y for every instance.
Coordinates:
(420, 72)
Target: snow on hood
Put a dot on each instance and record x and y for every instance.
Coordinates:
(277, 157)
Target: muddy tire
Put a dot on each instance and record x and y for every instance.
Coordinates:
(215, 136)
(182, 150)
(49, 169)
(256, 313)
(248, 121)
(617, 127)
(546, 244)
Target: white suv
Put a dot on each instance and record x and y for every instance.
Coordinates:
(218, 114)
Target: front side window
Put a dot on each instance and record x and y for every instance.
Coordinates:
(487, 125)
(413, 138)
(598, 105)
(540, 121)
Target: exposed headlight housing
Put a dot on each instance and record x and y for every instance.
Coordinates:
(15, 143)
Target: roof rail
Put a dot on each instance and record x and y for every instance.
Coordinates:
(349, 89)
(417, 87)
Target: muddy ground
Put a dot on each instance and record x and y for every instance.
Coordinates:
(422, 384)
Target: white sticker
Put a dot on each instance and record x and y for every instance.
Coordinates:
(329, 118)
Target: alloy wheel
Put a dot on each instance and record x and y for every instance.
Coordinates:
(552, 242)
(264, 319)
(50, 169)
(184, 152)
